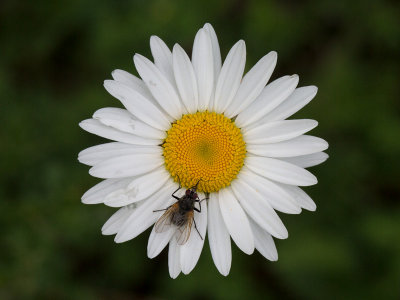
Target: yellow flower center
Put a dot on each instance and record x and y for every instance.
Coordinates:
(204, 147)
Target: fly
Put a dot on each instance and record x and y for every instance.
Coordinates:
(181, 214)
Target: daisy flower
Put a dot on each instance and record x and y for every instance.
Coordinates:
(221, 135)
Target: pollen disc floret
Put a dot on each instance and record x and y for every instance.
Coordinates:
(204, 147)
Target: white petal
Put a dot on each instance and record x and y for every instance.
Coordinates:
(252, 84)
(185, 79)
(278, 197)
(301, 145)
(203, 65)
(139, 86)
(159, 86)
(138, 105)
(123, 120)
(97, 128)
(126, 165)
(280, 171)
(306, 161)
(133, 82)
(118, 198)
(259, 209)
(94, 155)
(115, 222)
(264, 242)
(296, 101)
(278, 131)
(139, 188)
(162, 57)
(115, 117)
(144, 216)
(216, 53)
(158, 241)
(174, 264)
(271, 96)
(191, 250)
(146, 185)
(98, 192)
(300, 196)
(236, 220)
(230, 76)
(218, 237)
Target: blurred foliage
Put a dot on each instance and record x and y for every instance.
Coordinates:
(54, 56)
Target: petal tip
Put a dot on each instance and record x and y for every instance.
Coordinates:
(108, 83)
(201, 31)
(241, 43)
(224, 272)
(176, 48)
(91, 171)
(314, 123)
(274, 54)
(274, 258)
(105, 230)
(119, 239)
(150, 253)
(138, 58)
(313, 180)
(84, 201)
(297, 210)
(174, 276)
(248, 250)
(82, 124)
(114, 72)
(312, 208)
(325, 145)
(283, 235)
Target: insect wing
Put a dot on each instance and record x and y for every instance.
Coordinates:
(164, 222)
(183, 232)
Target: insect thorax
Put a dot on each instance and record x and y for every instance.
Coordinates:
(186, 203)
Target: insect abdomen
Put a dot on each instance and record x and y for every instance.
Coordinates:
(179, 218)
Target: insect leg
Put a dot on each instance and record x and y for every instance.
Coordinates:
(198, 200)
(173, 194)
(195, 208)
(195, 187)
(195, 226)
(162, 209)
(206, 198)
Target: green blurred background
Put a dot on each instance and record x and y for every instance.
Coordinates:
(54, 56)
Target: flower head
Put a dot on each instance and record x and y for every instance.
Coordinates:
(199, 148)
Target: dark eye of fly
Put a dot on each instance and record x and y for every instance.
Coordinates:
(194, 195)
(187, 192)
